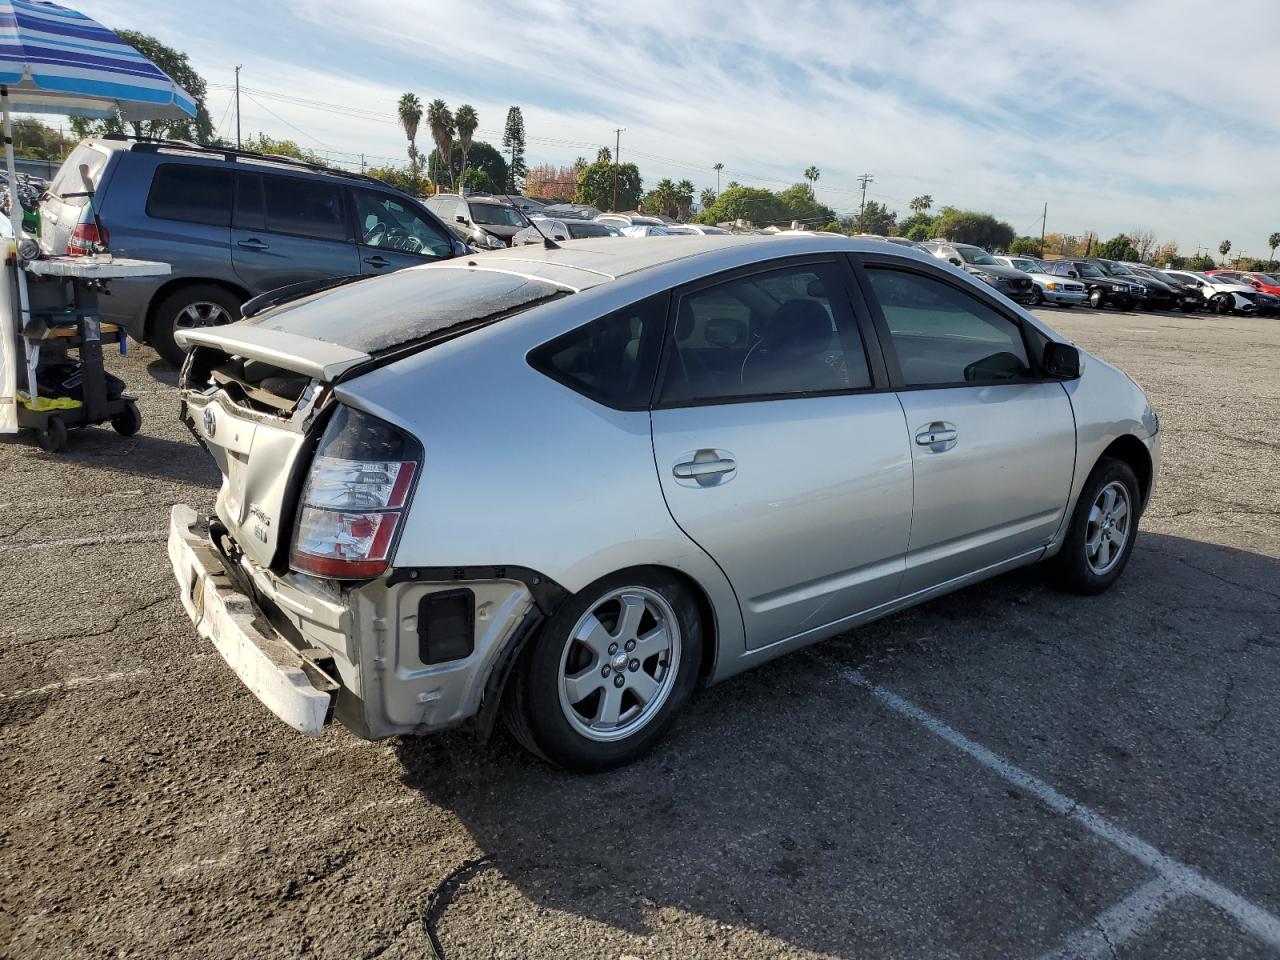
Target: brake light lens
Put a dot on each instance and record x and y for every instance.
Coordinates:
(84, 237)
(355, 496)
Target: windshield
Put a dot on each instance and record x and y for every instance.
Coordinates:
(975, 255)
(1089, 270)
(1120, 270)
(587, 229)
(497, 215)
(399, 308)
(1163, 277)
(1269, 279)
(1029, 266)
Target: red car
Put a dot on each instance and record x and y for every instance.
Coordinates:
(1266, 282)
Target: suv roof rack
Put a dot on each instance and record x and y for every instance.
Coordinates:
(155, 145)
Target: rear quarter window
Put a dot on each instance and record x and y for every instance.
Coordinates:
(69, 180)
(192, 193)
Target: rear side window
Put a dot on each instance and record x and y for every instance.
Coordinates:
(306, 208)
(69, 180)
(614, 359)
(943, 336)
(192, 193)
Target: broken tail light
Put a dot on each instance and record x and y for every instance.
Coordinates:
(355, 497)
(86, 238)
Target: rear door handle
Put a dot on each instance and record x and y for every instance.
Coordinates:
(377, 261)
(692, 469)
(705, 468)
(937, 436)
(253, 243)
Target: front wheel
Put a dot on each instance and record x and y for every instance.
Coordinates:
(1103, 529)
(1097, 299)
(607, 674)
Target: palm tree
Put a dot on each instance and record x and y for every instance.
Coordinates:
(707, 198)
(812, 174)
(466, 121)
(664, 197)
(1224, 248)
(440, 120)
(684, 199)
(717, 168)
(921, 203)
(1273, 241)
(410, 110)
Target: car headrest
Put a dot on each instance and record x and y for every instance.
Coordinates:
(801, 325)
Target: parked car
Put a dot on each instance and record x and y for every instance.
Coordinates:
(641, 229)
(570, 211)
(1155, 295)
(621, 220)
(540, 228)
(1265, 282)
(678, 229)
(484, 221)
(1014, 284)
(1060, 291)
(1186, 296)
(1102, 290)
(1221, 294)
(231, 225)
(393, 546)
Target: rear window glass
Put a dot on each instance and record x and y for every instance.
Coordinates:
(191, 192)
(410, 305)
(306, 208)
(68, 179)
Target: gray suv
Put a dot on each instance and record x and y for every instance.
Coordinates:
(232, 225)
(485, 221)
(1014, 284)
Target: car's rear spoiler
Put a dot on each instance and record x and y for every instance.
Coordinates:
(317, 359)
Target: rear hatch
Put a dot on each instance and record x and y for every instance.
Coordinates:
(257, 393)
(60, 210)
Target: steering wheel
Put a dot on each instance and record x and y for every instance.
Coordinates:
(374, 234)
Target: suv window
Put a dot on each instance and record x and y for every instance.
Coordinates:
(390, 223)
(68, 179)
(191, 192)
(782, 333)
(942, 335)
(612, 360)
(305, 208)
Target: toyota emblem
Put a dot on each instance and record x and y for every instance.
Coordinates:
(210, 422)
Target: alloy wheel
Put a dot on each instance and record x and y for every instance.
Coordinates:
(619, 664)
(201, 313)
(1108, 528)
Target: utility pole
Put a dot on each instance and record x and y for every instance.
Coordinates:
(1043, 220)
(617, 150)
(362, 164)
(864, 180)
(238, 106)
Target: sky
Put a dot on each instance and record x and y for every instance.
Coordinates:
(1162, 115)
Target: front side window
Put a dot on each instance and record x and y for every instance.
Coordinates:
(497, 215)
(944, 336)
(784, 333)
(613, 359)
(191, 192)
(306, 208)
(390, 223)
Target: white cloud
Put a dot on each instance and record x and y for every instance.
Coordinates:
(1117, 115)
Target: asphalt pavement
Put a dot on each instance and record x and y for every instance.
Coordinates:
(1005, 772)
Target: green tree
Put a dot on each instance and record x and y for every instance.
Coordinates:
(513, 143)
(684, 199)
(1273, 241)
(409, 110)
(970, 226)
(921, 204)
(800, 205)
(717, 167)
(747, 203)
(482, 156)
(876, 218)
(811, 174)
(595, 185)
(1224, 248)
(707, 198)
(1201, 261)
(37, 140)
(918, 226)
(198, 128)
(603, 155)
(466, 120)
(262, 143)
(440, 120)
(1026, 247)
(1118, 247)
(476, 180)
(402, 178)
(661, 200)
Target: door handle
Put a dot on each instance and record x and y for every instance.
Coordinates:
(692, 469)
(253, 243)
(938, 436)
(377, 261)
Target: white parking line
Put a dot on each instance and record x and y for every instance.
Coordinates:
(140, 536)
(72, 683)
(1262, 924)
(1129, 918)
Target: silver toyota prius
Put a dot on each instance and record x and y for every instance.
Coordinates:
(566, 484)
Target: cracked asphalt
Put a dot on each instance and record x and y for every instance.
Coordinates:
(149, 806)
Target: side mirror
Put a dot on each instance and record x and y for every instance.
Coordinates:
(1072, 273)
(460, 218)
(1062, 361)
(955, 261)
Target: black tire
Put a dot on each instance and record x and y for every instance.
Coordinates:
(1097, 298)
(1037, 296)
(533, 710)
(1187, 308)
(53, 439)
(1072, 567)
(166, 314)
(128, 421)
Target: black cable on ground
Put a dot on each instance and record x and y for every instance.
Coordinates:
(443, 894)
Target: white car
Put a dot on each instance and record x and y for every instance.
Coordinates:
(1048, 288)
(683, 229)
(1225, 296)
(641, 230)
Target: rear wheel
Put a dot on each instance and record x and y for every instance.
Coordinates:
(189, 307)
(608, 672)
(1103, 529)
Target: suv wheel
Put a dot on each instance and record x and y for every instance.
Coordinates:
(1103, 529)
(608, 673)
(197, 305)
(1097, 299)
